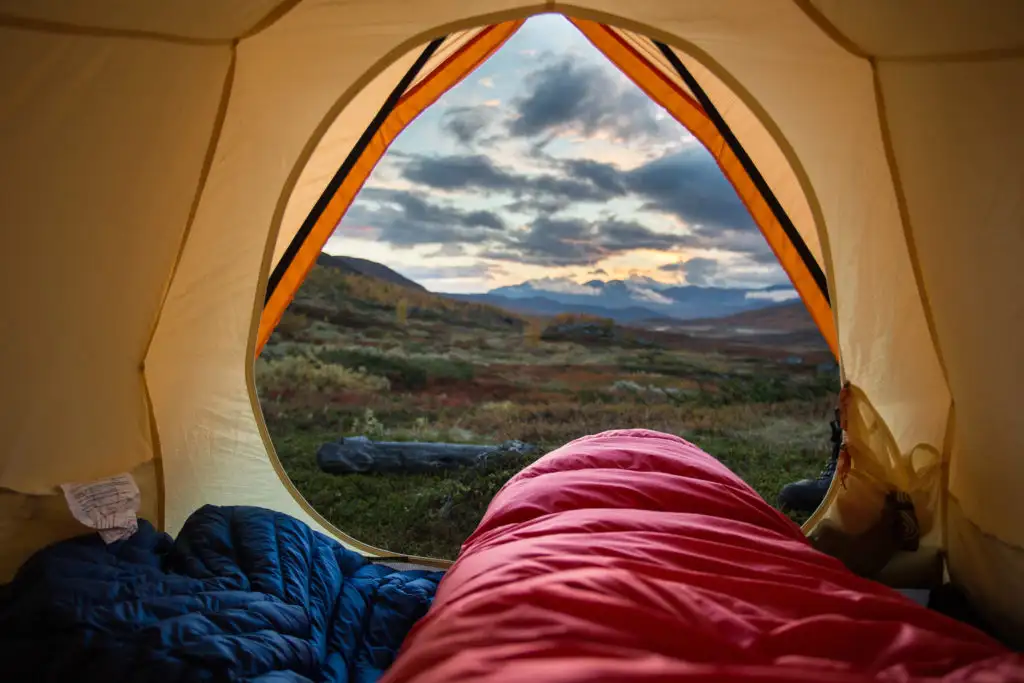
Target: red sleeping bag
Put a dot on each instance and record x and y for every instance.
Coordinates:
(635, 556)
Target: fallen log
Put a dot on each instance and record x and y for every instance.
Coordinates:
(358, 454)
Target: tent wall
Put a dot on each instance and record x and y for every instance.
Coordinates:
(962, 181)
(900, 119)
(104, 143)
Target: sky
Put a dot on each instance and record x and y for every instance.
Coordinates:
(547, 164)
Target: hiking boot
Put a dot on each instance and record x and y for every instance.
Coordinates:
(806, 495)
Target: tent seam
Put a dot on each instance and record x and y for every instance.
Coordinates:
(848, 44)
(45, 26)
(830, 29)
(981, 532)
(204, 175)
(158, 457)
(277, 13)
(993, 55)
(904, 212)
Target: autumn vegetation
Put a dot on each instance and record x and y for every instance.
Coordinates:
(356, 355)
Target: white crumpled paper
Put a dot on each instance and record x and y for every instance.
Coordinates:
(108, 505)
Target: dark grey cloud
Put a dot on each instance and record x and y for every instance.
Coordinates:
(539, 206)
(403, 218)
(468, 124)
(566, 94)
(606, 177)
(478, 172)
(700, 271)
(457, 172)
(689, 184)
(576, 242)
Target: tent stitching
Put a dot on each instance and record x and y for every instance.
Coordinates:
(981, 532)
(204, 174)
(830, 29)
(848, 44)
(277, 13)
(904, 211)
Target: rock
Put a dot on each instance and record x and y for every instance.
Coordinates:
(359, 454)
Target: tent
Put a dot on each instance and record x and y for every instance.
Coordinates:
(170, 172)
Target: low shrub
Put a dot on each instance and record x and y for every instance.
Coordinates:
(411, 373)
(291, 373)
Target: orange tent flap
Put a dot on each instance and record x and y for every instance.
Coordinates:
(412, 103)
(685, 109)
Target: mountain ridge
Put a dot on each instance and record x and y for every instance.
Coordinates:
(629, 300)
(637, 300)
(360, 266)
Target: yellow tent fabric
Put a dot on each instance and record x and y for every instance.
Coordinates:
(151, 156)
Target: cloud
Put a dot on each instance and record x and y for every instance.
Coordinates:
(599, 272)
(487, 82)
(606, 177)
(689, 184)
(777, 295)
(403, 219)
(457, 172)
(472, 271)
(467, 124)
(576, 242)
(477, 171)
(451, 249)
(568, 96)
(562, 285)
(698, 271)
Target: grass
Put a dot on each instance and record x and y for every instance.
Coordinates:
(421, 371)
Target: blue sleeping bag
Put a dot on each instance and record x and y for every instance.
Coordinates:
(243, 594)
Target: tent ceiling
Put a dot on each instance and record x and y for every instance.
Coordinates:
(921, 29)
(200, 20)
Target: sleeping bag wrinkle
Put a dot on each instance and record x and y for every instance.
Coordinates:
(634, 556)
(243, 594)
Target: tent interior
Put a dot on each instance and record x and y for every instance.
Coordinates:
(171, 175)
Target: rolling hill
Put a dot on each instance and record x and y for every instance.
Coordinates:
(787, 325)
(358, 266)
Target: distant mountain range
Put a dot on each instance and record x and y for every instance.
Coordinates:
(636, 300)
(629, 301)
